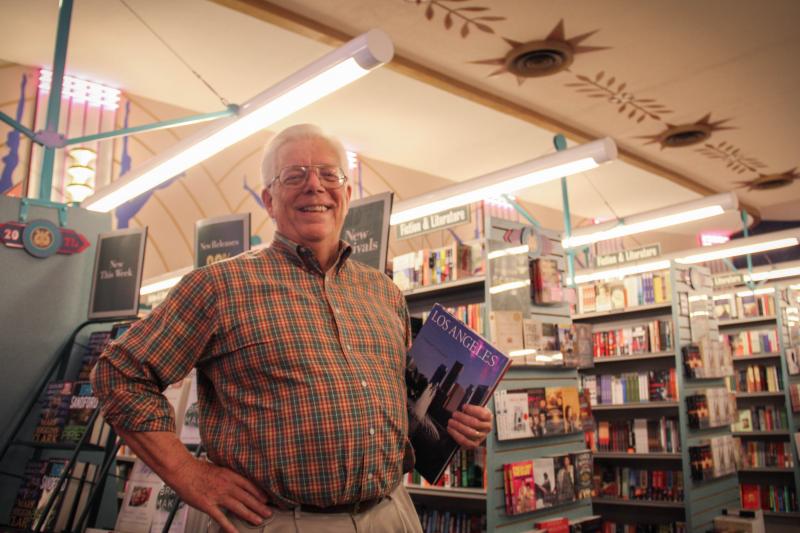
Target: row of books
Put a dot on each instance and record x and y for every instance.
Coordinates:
(756, 378)
(39, 482)
(541, 412)
(472, 315)
(711, 407)
(707, 358)
(714, 457)
(66, 408)
(441, 521)
(794, 396)
(632, 387)
(780, 498)
(421, 268)
(752, 342)
(761, 418)
(757, 454)
(638, 483)
(546, 286)
(466, 470)
(642, 289)
(650, 337)
(543, 482)
(640, 435)
(587, 524)
(735, 307)
(541, 343)
(617, 527)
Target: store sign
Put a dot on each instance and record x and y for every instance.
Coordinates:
(628, 256)
(117, 274)
(220, 238)
(41, 238)
(434, 222)
(366, 229)
(727, 280)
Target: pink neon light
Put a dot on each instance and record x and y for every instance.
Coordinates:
(710, 239)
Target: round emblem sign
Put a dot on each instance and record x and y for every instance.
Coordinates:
(41, 238)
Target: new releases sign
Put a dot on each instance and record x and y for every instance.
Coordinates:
(366, 229)
(219, 238)
(628, 256)
(434, 222)
(117, 274)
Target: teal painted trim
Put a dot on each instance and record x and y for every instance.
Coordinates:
(522, 211)
(54, 102)
(24, 203)
(17, 126)
(745, 234)
(561, 144)
(185, 121)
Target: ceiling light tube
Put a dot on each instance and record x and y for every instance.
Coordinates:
(320, 78)
(621, 272)
(508, 180)
(738, 247)
(756, 292)
(651, 220)
(774, 274)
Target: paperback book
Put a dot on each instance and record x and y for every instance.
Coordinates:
(448, 366)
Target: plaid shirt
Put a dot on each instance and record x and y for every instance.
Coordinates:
(300, 372)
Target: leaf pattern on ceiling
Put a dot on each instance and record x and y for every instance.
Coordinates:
(465, 16)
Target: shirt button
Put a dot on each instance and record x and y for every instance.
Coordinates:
(371, 431)
(369, 476)
(364, 383)
(349, 347)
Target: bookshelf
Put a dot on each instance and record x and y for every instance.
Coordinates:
(702, 500)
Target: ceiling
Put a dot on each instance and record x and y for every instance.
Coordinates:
(726, 64)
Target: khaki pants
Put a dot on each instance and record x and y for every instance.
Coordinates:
(395, 514)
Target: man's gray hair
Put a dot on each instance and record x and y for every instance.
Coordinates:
(297, 132)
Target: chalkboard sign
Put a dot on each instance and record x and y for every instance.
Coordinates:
(366, 228)
(117, 274)
(219, 238)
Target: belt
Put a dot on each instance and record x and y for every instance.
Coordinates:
(350, 508)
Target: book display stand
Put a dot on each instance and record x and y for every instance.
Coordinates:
(677, 300)
(64, 482)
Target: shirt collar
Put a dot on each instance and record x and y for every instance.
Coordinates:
(303, 256)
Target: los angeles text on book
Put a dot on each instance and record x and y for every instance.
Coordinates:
(448, 366)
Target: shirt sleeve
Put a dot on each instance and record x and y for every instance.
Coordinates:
(132, 372)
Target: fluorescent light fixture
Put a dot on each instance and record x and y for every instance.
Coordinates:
(747, 245)
(698, 297)
(774, 274)
(504, 287)
(621, 272)
(765, 290)
(508, 180)
(320, 78)
(80, 91)
(518, 353)
(163, 282)
(514, 250)
(651, 220)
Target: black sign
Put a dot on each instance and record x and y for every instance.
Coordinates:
(366, 228)
(220, 238)
(117, 274)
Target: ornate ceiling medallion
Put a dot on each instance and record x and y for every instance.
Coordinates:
(545, 57)
(677, 136)
(766, 182)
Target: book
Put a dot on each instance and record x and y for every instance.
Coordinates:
(55, 411)
(545, 282)
(521, 487)
(28, 494)
(555, 410)
(189, 430)
(512, 415)
(449, 365)
(583, 474)
(505, 330)
(582, 333)
(81, 407)
(565, 479)
(544, 482)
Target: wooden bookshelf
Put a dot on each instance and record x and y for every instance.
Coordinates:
(770, 469)
(637, 405)
(756, 357)
(745, 321)
(761, 434)
(663, 306)
(605, 500)
(471, 283)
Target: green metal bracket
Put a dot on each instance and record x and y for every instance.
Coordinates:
(522, 211)
(745, 234)
(17, 126)
(560, 143)
(25, 203)
(185, 121)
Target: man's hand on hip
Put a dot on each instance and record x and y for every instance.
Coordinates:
(470, 426)
(212, 489)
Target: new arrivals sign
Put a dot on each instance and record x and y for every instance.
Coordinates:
(117, 274)
(366, 229)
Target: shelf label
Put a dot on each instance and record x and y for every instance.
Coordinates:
(628, 256)
(434, 222)
(727, 280)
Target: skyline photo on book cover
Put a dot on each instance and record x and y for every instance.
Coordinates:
(448, 366)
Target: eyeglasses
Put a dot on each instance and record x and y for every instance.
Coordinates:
(295, 176)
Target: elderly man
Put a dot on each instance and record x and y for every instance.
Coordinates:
(300, 355)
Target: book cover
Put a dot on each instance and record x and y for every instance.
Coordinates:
(537, 411)
(53, 471)
(545, 281)
(555, 410)
(565, 479)
(81, 407)
(544, 482)
(55, 403)
(512, 415)
(505, 329)
(523, 499)
(566, 344)
(572, 409)
(448, 366)
(582, 333)
(28, 495)
(584, 474)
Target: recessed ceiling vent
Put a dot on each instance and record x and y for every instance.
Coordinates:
(685, 135)
(539, 58)
(766, 182)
